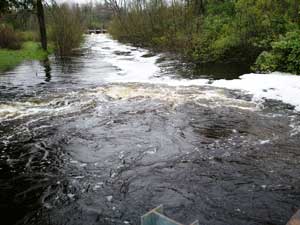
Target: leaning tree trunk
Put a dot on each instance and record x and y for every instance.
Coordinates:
(42, 24)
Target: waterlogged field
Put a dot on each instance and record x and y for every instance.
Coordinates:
(104, 136)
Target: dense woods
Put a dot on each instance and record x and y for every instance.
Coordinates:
(264, 32)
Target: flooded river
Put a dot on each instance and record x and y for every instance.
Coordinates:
(105, 136)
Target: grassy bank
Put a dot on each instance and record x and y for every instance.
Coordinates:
(29, 51)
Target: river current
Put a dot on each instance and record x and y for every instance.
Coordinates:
(105, 136)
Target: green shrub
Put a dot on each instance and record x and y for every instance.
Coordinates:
(29, 36)
(266, 62)
(284, 56)
(9, 39)
(160, 41)
(66, 29)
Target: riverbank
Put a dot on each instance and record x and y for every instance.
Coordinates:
(29, 51)
(216, 32)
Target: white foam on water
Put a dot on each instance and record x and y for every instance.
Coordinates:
(278, 86)
(132, 67)
(295, 126)
(263, 142)
(135, 68)
(129, 60)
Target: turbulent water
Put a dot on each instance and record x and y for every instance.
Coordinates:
(105, 136)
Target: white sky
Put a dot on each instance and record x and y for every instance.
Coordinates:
(77, 1)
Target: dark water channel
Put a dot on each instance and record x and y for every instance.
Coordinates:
(82, 141)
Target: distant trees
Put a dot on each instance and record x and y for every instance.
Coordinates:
(96, 15)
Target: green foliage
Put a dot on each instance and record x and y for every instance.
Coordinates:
(29, 51)
(66, 29)
(284, 56)
(210, 30)
(266, 62)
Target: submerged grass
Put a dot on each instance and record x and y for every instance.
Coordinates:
(29, 51)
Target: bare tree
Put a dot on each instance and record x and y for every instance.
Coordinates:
(42, 23)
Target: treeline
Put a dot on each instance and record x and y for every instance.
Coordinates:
(96, 15)
(264, 32)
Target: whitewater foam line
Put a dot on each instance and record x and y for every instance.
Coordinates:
(133, 67)
(278, 86)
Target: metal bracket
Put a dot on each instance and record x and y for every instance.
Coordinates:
(156, 217)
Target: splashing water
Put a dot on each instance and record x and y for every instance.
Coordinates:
(104, 136)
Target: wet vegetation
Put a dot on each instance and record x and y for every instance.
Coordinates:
(264, 32)
(59, 26)
(66, 29)
(28, 51)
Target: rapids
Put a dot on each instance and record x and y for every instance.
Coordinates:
(106, 135)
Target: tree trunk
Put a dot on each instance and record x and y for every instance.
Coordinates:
(42, 24)
(297, 13)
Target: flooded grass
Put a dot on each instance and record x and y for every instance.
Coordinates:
(29, 51)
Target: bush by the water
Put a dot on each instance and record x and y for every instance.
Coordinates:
(284, 56)
(9, 39)
(29, 36)
(66, 29)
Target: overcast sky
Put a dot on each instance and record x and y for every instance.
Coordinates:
(77, 1)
